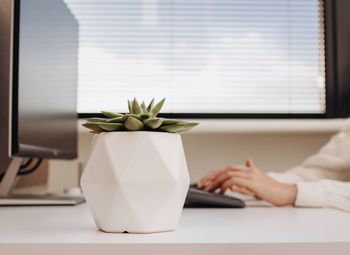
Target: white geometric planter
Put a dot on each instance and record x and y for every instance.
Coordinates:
(136, 181)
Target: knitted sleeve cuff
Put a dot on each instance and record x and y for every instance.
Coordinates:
(310, 194)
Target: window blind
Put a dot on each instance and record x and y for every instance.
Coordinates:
(204, 56)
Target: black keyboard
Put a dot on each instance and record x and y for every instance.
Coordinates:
(197, 198)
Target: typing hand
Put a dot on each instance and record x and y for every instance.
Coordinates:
(249, 180)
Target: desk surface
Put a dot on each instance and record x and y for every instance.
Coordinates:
(65, 226)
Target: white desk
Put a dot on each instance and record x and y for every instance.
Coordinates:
(253, 230)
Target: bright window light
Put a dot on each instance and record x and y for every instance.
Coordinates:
(209, 56)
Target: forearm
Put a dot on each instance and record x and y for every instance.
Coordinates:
(321, 193)
(291, 176)
(289, 194)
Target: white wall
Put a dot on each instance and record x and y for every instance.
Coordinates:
(269, 151)
(274, 150)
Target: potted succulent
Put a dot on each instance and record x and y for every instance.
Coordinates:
(136, 177)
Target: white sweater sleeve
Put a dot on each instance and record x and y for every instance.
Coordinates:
(324, 178)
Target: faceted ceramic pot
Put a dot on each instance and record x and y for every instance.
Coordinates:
(136, 181)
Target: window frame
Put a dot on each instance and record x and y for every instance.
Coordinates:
(337, 73)
(337, 45)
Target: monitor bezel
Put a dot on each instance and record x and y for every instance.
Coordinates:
(15, 147)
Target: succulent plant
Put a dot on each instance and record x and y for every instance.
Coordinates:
(139, 118)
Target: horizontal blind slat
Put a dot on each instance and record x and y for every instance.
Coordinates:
(234, 56)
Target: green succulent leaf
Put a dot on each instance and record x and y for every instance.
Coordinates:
(145, 115)
(112, 126)
(111, 114)
(136, 116)
(156, 109)
(187, 127)
(153, 123)
(172, 128)
(117, 119)
(92, 126)
(136, 108)
(139, 118)
(133, 124)
(171, 122)
(143, 107)
(129, 106)
(96, 120)
(150, 105)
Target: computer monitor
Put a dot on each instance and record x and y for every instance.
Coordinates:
(38, 83)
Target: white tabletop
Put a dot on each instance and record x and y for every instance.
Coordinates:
(63, 228)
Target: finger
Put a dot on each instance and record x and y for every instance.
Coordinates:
(226, 185)
(206, 184)
(235, 168)
(218, 181)
(241, 182)
(231, 184)
(242, 190)
(250, 163)
(224, 177)
(210, 176)
(202, 181)
(238, 189)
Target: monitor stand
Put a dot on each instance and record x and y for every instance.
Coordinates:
(8, 182)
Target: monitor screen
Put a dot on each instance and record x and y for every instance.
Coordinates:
(44, 80)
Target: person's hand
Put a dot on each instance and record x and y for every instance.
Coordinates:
(249, 180)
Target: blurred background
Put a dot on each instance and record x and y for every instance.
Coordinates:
(251, 72)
